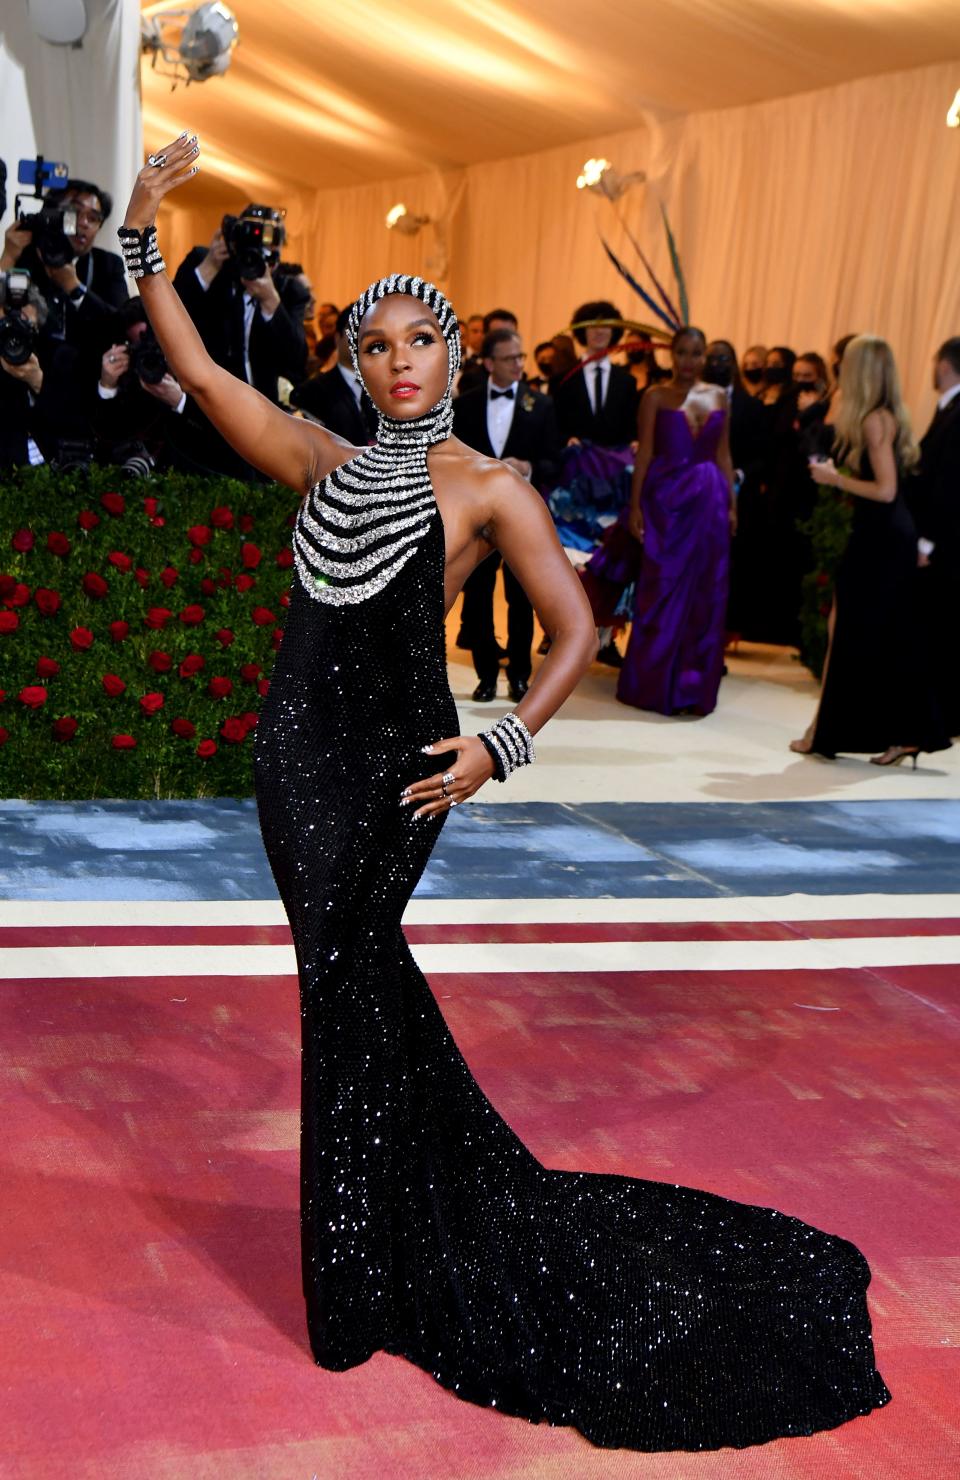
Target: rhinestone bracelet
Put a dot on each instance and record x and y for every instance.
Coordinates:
(141, 254)
(509, 745)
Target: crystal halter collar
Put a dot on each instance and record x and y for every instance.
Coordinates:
(359, 526)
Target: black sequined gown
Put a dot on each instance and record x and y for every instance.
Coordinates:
(644, 1314)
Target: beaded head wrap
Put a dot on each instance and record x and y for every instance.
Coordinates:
(361, 525)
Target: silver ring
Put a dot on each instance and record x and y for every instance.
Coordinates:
(157, 160)
(445, 780)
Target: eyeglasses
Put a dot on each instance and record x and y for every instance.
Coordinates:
(89, 218)
(517, 359)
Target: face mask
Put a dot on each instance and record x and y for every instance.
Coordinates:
(775, 375)
(718, 372)
(636, 356)
(754, 376)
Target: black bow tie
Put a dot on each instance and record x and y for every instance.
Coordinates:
(495, 395)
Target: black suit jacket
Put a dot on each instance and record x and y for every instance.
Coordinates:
(88, 324)
(533, 435)
(328, 397)
(935, 501)
(617, 423)
(60, 412)
(276, 345)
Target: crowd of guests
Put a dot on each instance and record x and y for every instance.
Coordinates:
(680, 477)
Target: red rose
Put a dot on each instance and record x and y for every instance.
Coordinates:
(285, 599)
(150, 507)
(157, 617)
(219, 688)
(47, 667)
(9, 621)
(19, 596)
(4, 735)
(277, 637)
(87, 519)
(142, 577)
(250, 672)
(119, 630)
(822, 578)
(57, 543)
(222, 517)
(150, 703)
(208, 587)
(245, 523)
(250, 555)
(192, 664)
(120, 560)
(94, 585)
(285, 558)
(158, 521)
(206, 748)
(192, 616)
(48, 601)
(262, 616)
(34, 695)
(7, 584)
(234, 730)
(23, 540)
(123, 742)
(169, 575)
(249, 719)
(114, 503)
(224, 636)
(225, 578)
(183, 728)
(195, 557)
(263, 687)
(199, 534)
(244, 581)
(113, 685)
(81, 638)
(64, 728)
(159, 661)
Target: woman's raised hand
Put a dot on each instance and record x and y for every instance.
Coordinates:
(157, 180)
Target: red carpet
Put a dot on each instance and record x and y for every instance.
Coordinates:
(150, 1244)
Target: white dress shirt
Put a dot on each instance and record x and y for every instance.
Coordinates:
(352, 379)
(590, 380)
(948, 396)
(500, 415)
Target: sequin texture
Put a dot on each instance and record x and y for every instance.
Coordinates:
(644, 1314)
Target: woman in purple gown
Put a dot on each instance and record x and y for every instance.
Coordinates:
(682, 510)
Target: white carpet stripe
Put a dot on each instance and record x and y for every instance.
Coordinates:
(581, 956)
(497, 911)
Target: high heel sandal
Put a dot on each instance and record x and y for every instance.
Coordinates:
(895, 754)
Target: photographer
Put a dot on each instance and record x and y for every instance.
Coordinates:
(40, 411)
(139, 406)
(82, 284)
(229, 292)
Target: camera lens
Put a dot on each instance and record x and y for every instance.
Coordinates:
(17, 339)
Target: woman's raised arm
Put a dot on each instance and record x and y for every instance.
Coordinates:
(284, 447)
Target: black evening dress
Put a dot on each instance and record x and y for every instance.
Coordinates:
(644, 1314)
(877, 686)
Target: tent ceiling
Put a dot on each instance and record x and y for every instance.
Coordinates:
(329, 93)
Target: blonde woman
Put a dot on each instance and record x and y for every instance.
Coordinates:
(875, 693)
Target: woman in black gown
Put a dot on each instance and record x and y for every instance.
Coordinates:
(876, 692)
(644, 1314)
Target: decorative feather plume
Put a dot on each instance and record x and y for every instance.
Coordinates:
(625, 273)
(678, 323)
(677, 269)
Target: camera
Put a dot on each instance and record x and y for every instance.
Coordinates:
(254, 239)
(18, 336)
(147, 361)
(133, 459)
(51, 226)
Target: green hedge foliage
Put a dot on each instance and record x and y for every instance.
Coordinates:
(138, 625)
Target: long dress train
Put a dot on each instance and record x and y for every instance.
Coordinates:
(644, 1314)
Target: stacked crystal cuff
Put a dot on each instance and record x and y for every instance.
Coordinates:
(509, 745)
(141, 254)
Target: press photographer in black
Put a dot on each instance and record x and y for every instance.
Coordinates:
(228, 289)
(81, 284)
(42, 415)
(140, 411)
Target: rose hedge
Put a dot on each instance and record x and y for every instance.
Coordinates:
(828, 530)
(138, 625)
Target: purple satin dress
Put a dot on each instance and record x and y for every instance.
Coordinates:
(674, 659)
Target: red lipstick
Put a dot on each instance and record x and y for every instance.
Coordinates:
(404, 389)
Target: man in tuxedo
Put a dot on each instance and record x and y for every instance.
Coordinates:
(506, 419)
(336, 398)
(936, 509)
(43, 410)
(598, 402)
(245, 328)
(473, 372)
(82, 295)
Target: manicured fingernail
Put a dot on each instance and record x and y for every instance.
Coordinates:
(184, 134)
(406, 791)
(405, 801)
(427, 749)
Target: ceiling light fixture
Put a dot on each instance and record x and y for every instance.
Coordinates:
(600, 176)
(400, 219)
(197, 44)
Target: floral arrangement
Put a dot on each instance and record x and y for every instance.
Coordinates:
(138, 624)
(828, 530)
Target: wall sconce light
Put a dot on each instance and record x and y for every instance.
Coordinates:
(600, 176)
(953, 112)
(404, 221)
